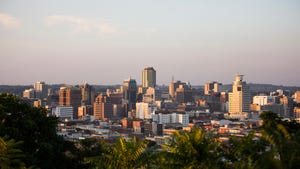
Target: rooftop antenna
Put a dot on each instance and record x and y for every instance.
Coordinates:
(172, 78)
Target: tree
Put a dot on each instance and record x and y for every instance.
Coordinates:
(10, 155)
(284, 139)
(89, 148)
(195, 149)
(42, 147)
(244, 152)
(123, 154)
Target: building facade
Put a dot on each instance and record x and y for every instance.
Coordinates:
(239, 98)
(64, 112)
(129, 90)
(211, 87)
(263, 100)
(148, 77)
(42, 88)
(103, 108)
(70, 96)
(88, 94)
(184, 94)
(171, 118)
(297, 96)
(30, 93)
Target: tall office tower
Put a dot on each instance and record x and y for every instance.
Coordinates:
(212, 87)
(103, 108)
(183, 94)
(152, 95)
(297, 96)
(287, 106)
(88, 94)
(42, 88)
(70, 96)
(129, 90)
(239, 98)
(149, 77)
(173, 86)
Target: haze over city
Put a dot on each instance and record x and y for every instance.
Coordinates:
(105, 42)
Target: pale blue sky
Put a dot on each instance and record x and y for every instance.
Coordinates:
(105, 42)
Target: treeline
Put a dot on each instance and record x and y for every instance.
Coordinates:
(28, 139)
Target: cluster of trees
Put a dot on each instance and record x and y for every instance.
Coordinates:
(28, 140)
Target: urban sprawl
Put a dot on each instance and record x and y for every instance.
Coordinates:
(155, 112)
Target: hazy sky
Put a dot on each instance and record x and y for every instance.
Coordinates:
(105, 42)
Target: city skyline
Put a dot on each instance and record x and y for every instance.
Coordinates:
(106, 42)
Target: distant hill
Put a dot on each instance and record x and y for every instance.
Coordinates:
(254, 88)
(264, 88)
(17, 89)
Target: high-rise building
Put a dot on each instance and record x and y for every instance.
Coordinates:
(173, 86)
(30, 93)
(70, 96)
(145, 110)
(42, 88)
(129, 90)
(88, 94)
(103, 108)
(184, 94)
(297, 96)
(212, 87)
(85, 111)
(297, 114)
(149, 77)
(287, 106)
(239, 98)
(152, 95)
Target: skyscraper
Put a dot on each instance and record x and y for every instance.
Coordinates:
(103, 109)
(70, 96)
(183, 94)
(88, 94)
(148, 77)
(173, 86)
(129, 90)
(42, 88)
(297, 96)
(239, 98)
(212, 87)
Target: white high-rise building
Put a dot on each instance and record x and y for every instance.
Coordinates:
(145, 110)
(148, 77)
(239, 98)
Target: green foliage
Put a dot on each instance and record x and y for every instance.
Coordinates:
(195, 149)
(123, 154)
(41, 145)
(278, 148)
(10, 155)
(28, 138)
(246, 151)
(284, 139)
